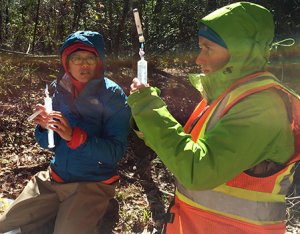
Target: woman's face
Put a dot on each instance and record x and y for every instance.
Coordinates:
(82, 65)
(212, 56)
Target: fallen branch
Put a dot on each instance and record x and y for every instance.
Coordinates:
(32, 169)
(21, 54)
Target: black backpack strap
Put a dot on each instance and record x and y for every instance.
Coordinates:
(168, 217)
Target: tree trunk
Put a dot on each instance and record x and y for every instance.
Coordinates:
(60, 27)
(111, 23)
(78, 9)
(121, 26)
(36, 24)
(1, 24)
(6, 21)
(156, 16)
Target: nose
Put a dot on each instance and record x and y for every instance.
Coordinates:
(84, 63)
(200, 59)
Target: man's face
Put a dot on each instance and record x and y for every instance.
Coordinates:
(82, 65)
(212, 56)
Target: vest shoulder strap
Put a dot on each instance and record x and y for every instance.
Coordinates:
(259, 84)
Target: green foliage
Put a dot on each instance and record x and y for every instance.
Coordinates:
(168, 25)
(172, 24)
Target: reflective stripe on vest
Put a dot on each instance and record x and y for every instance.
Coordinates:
(240, 198)
(246, 210)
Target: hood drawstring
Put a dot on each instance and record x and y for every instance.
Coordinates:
(285, 42)
(288, 42)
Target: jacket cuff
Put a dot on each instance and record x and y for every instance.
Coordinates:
(135, 128)
(78, 138)
(40, 128)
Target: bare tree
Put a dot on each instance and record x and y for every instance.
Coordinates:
(36, 24)
(78, 11)
(121, 26)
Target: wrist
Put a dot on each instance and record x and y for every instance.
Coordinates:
(41, 128)
(70, 136)
(79, 137)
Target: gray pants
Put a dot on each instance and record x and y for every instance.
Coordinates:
(75, 207)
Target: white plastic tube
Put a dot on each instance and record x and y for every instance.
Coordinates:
(48, 106)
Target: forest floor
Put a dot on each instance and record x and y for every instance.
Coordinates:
(145, 189)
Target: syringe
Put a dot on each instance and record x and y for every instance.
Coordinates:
(35, 114)
(48, 106)
(142, 63)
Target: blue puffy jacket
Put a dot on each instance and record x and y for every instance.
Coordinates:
(101, 110)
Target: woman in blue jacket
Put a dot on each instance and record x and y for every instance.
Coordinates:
(90, 121)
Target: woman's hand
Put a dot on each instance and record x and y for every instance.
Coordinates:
(136, 85)
(54, 121)
(58, 123)
(42, 118)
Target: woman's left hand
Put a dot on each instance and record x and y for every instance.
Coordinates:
(58, 123)
(136, 85)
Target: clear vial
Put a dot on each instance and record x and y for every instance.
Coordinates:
(142, 70)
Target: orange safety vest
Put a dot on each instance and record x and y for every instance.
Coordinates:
(245, 204)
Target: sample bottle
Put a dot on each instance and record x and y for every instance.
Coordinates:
(142, 69)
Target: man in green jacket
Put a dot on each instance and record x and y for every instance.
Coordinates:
(234, 159)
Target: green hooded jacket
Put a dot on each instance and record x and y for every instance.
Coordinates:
(255, 130)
